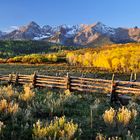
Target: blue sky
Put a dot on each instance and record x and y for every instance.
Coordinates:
(114, 13)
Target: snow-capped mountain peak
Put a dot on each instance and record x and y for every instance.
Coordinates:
(73, 30)
(82, 34)
(102, 28)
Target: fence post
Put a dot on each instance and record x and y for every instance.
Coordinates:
(131, 77)
(112, 82)
(135, 77)
(114, 95)
(10, 78)
(68, 82)
(82, 82)
(113, 78)
(34, 79)
(16, 79)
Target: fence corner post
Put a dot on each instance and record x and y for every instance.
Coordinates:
(68, 84)
(34, 79)
(112, 82)
(114, 95)
(16, 79)
(113, 78)
(10, 78)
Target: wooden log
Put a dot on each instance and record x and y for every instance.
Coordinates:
(16, 81)
(20, 77)
(129, 83)
(51, 86)
(95, 87)
(23, 82)
(90, 82)
(90, 86)
(131, 77)
(26, 80)
(135, 76)
(34, 79)
(4, 79)
(114, 95)
(81, 82)
(55, 77)
(86, 80)
(31, 78)
(127, 88)
(90, 79)
(13, 78)
(128, 92)
(51, 82)
(46, 79)
(4, 76)
(23, 75)
(68, 83)
(10, 78)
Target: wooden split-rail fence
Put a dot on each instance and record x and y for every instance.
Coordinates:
(74, 83)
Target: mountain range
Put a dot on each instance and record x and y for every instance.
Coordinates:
(80, 35)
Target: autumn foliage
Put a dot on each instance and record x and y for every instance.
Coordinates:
(34, 58)
(122, 57)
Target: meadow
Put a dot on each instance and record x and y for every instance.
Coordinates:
(29, 113)
(39, 114)
(61, 70)
(43, 113)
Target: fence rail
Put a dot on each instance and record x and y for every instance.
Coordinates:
(74, 83)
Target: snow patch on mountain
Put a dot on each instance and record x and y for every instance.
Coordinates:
(42, 37)
(73, 30)
(102, 28)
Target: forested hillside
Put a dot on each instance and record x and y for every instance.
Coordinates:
(13, 48)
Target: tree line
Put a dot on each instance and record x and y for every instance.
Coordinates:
(11, 48)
